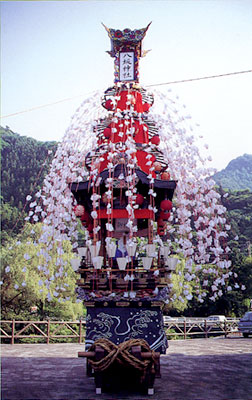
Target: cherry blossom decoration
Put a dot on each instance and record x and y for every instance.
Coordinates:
(197, 203)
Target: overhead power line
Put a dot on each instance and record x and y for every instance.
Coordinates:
(41, 106)
(155, 84)
(201, 78)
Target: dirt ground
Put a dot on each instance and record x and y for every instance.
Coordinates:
(198, 369)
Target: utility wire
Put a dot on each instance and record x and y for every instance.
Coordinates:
(201, 78)
(41, 106)
(155, 84)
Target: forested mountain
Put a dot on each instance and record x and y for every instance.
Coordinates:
(239, 215)
(235, 186)
(24, 164)
(237, 175)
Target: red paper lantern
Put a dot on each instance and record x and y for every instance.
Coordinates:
(157, 166)
(155, 140)
(161, 223)
(139, 199)
(79, 210)
(165, 215)
(107, 133)
(109, 105)
(160, 231)
(165, 176)
(146, 107)
(85, 218)
(166, 205)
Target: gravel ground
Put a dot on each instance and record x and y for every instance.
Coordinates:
(198, 369)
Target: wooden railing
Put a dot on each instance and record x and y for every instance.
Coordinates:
(50, 331)
(199, 327)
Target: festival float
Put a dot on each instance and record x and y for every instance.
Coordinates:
(123, 204)
(132, 177)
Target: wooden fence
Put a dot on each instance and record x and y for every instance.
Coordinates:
(50, 331)
(199, 327)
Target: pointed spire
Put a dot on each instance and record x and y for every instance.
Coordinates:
(107, 29)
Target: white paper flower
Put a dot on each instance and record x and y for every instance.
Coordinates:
(94, 214)
(109, 227)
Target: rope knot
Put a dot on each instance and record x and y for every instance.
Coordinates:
(123, 355)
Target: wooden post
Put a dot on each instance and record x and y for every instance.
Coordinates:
(184, 329)
(48, 332)
(80, 331)
(205, 326)
(225, 328)
(13, 331)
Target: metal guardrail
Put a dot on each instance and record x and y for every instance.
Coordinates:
(50, 331)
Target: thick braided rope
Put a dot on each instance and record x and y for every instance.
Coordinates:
(122, 355)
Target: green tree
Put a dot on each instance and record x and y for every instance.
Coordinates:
(232, 303)
(239, 215)
(12, 221)
(179, 285)
(31, 277)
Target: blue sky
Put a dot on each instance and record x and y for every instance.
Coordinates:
(53, 50)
